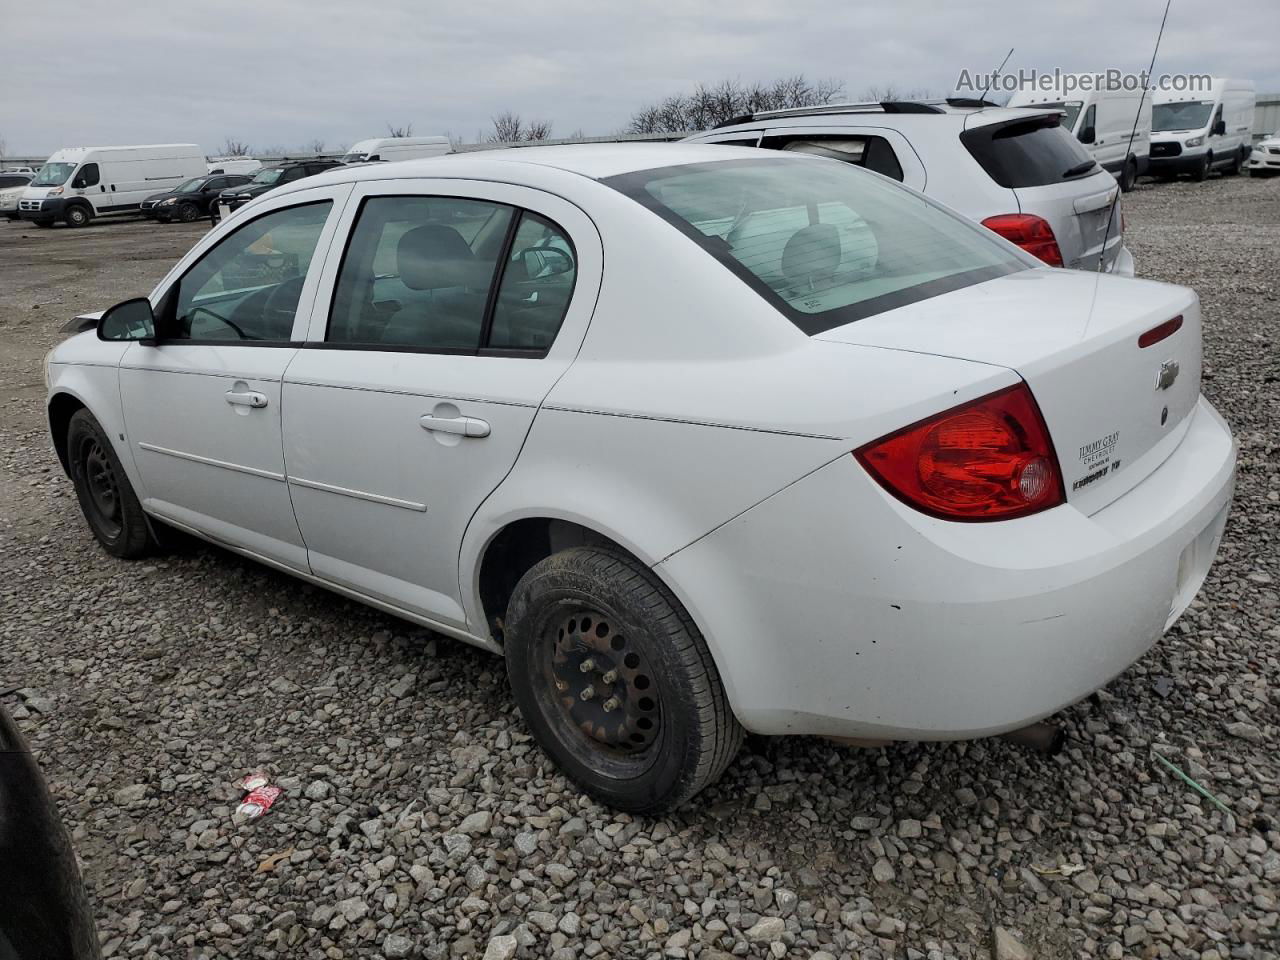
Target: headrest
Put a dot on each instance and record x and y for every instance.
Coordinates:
(812, 255)
(434, 256)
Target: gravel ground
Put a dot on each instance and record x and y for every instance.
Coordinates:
(420, 821)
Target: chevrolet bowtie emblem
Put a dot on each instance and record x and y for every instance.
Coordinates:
(1168, 373)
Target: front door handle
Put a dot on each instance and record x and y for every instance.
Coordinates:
(462, 426)
(249, 398)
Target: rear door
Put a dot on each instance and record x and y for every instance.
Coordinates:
(453, 309)
(1052, 176)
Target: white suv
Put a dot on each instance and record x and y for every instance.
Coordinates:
(1015, 170)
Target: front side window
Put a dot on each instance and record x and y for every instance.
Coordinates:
(1087, 132)
(247, 287)
(53, 174)
(824, 243)
(87, 177)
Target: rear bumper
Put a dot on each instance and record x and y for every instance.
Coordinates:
(833, 609)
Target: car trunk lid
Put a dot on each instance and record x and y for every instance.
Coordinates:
(1115, 410)
(1079, 211)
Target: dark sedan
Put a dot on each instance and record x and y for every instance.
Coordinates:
(268, 178)
(191, 200)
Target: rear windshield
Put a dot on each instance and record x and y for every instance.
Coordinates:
(824, 242)
(1028, 153)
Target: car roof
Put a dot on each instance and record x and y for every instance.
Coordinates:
(967, 114)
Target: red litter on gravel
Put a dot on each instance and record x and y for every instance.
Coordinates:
(252, 781)
(258, 802)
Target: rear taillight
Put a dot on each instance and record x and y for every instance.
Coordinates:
(989, 459)
(1033, 234)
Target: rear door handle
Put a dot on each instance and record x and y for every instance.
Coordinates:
(250, 398)
(462, 426)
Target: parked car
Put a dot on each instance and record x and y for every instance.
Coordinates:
(80, 183)
(1264, 161)
(813, 456)
(384, 149)
(45, 913)
(1200, 130)
(269, 178)
(238, 165)
(31, 171)
(1018, 172)
(1113, 124)
(190, 200)
(12, 186)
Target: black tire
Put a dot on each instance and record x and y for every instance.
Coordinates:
(107, 500)
(1129, 175)
(1201, 172)
(1237, 164)
(583, 614)
(186, 213)
(77, 215)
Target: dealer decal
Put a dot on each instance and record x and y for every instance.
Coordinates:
(1095, 457)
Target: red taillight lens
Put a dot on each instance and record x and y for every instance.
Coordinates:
(989, 459)
(1033, 234)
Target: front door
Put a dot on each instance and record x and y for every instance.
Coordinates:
(453, 311)
(202, 406)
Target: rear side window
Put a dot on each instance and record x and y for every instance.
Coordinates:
(824, 243)
(1028, 153)
(874, 153)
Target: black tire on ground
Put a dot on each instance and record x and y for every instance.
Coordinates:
(1201, 172)
(1129, 175)
(1237, 164)
(589, 626)
(108, 502)
(77, 215)
(186, 213)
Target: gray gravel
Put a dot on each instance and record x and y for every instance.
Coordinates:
(420, 821)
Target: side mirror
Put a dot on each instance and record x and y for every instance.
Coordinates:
(542, 262)
(1087, 135)
(1219, 128)
(128, 321)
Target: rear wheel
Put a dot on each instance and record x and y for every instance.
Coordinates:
(616, 682)
(106, 497)
(1129, 175)
(1201, 172)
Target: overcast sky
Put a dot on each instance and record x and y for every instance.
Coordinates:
(285, 72)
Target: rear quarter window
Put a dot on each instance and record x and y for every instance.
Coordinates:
(1028, 153)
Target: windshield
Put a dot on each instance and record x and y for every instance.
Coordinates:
(1188, 115)
(53, 174)
(268, 176)
(825, 243)
(355, 158)
(191, 186)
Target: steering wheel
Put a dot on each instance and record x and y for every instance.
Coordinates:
(220, 318)
(273, 308)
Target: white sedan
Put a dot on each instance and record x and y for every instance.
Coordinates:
(701, 440)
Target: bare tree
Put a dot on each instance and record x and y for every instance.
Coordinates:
(315, 146)
(709, 105)
(232, 147)
(405, 131)
(508, 127)
(888, 91)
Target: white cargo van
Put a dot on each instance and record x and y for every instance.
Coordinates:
(234, 165)
(77, 184)
(1195, 131)
(397, 148)
(1103, 120)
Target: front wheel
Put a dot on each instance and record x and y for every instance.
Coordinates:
(616, 682)
(1201, 172)
(1237, 164)
(106, 497)
(1129, 175)
(187, 213)
(77, 216)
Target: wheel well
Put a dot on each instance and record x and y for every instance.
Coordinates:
(516, 548)
(61, 408)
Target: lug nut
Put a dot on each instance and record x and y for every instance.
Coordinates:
(561, 686)
(588, 694)
(587, 665)
(609, 677)
(610, 705)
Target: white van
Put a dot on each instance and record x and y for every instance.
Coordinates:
(397, 148)
(77, 184)
(1102, 120)
(1194, 131)
(234, 165)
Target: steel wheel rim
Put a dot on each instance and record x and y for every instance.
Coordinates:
(102, 487)
(602, 684)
